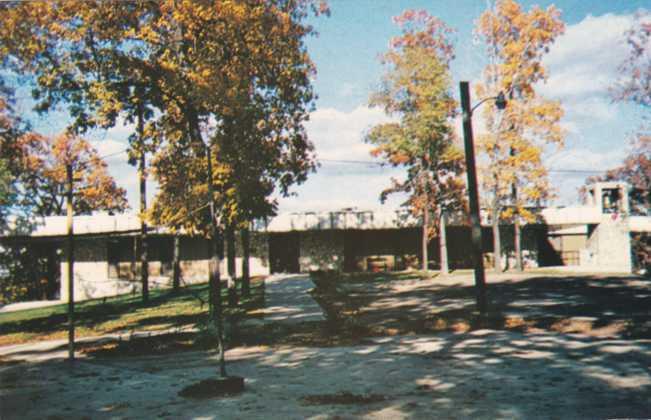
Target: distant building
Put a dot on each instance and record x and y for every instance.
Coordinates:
(595, 236)
(106, 263)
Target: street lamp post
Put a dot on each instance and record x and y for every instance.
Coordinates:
(473, 196)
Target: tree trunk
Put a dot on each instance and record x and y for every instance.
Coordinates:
(518, 245)
(71, 263)
(134, 258)
(246, 250)
(443, 246)
(230, 262)
(425, 240)
(497, 246)
(215, 294)
(516, 228)
(176, 264)
(144, 259)
(214, 280)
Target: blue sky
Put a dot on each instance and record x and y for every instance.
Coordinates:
(582, 66)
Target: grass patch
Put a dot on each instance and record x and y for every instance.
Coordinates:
(165, 310)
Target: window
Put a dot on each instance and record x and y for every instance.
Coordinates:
(119, 254)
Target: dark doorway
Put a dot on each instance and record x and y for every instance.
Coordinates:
(284, 252)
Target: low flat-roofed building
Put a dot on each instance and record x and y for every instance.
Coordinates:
(595, 236)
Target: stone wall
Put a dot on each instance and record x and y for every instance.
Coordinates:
(321, 250)
(90, 271)
(609, 245)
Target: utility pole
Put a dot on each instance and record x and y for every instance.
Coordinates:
(71, 260)
(473, 198)
(517, 237)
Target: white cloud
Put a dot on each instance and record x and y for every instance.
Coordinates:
(340, 135)
(584, 60)
(325, 191)
(121, 130)
(112, 149)
(586, 160)
(582, 66)
(592, 109)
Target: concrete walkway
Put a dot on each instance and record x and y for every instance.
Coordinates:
(13, 307)
(287, 299)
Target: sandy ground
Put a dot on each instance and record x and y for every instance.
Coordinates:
(480, 374)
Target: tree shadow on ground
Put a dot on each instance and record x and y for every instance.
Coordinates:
(522, 361)
(479, 374)
(594, 305)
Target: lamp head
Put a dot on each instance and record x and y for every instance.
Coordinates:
(500, 101)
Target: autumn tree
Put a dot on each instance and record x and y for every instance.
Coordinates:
(12, 287)
(9, 134)
(33, 169)
(635, 86)
(514, 176)
(195, 65)
(87, 56)
(233, 112)
(416, 90)
(42, 184)
(635, 82)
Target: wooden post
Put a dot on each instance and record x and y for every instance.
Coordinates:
(246, 250)
(71, 261)
(473, 198)
(176, 264)
(443, 248)
(230, 262)
(425, 262)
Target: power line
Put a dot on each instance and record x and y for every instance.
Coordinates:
(361, 162)
(113, 154)
(370, 163)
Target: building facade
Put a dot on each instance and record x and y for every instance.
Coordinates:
(595, 236)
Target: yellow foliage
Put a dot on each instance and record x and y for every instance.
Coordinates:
(513, 148)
